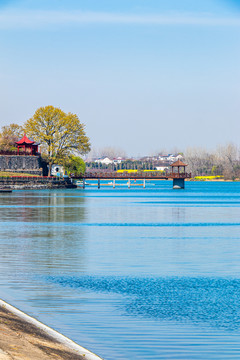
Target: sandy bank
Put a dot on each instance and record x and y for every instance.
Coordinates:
(24, 338)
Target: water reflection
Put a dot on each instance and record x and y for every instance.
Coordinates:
(136, 273)
(44, 207)
(33, 235)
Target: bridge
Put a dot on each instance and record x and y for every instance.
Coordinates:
(178, 176)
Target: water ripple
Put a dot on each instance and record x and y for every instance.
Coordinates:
(213, 301)
(133, 224)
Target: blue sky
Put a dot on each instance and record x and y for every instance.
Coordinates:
(143, 75)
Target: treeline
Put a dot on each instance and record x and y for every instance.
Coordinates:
(123, 165)
(67, 141)
(224, 161)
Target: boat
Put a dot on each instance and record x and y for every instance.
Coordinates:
(79, 183)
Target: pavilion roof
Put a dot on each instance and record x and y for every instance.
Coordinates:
(25, 140)
(178, 163)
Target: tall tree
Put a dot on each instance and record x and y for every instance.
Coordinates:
(9, 135)
(229, 158)
(112, 152)
(61, 134)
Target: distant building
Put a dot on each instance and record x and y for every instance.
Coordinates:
(170, 157)
(105, 161)
(179, 157)
(118, 160)
(162, 168)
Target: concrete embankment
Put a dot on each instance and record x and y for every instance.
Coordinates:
(25, 338)
(34, 183)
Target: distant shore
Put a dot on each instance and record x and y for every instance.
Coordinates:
(13, 181)
(212, 180)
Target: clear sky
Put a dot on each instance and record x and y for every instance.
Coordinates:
(143, 75)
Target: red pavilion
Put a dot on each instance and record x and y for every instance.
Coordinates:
(28, 147)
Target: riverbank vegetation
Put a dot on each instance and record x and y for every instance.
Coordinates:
(8, 137)
(61, 135)
(223, 162)
(63, 140)
(75, 165)
(14, 174)
(208, 178)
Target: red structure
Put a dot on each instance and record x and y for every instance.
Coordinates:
(28, 147)
(181, 168)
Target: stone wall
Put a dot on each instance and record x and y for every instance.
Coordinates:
(34, 183)
(21, 163)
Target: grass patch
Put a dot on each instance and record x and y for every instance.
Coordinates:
(13, 174)
(135, 171)
(208, 177)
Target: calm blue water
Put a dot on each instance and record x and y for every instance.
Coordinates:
(128, 273)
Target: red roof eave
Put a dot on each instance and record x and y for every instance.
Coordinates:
(178, 163)
(25, 140)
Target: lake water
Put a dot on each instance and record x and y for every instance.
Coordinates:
(128, 273)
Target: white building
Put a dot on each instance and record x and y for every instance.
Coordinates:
(105, 161)
(57, 170)
(170, 157)
(118, 160)
(162, 168)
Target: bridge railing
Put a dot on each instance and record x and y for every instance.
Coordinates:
(136, 175)
(123, 175)
(180, 175)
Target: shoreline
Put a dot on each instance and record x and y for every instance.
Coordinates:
(24, 337)
(212, 180)
(34, 183)
(54, 184)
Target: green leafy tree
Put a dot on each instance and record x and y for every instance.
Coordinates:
(75, 165)
(61, 134)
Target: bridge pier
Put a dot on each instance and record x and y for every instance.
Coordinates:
(178, 184)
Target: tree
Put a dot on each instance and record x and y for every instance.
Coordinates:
(9, 135)
(199, 161)
(112, 152)
(229, 157)
(75, 165)
(60, 134)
